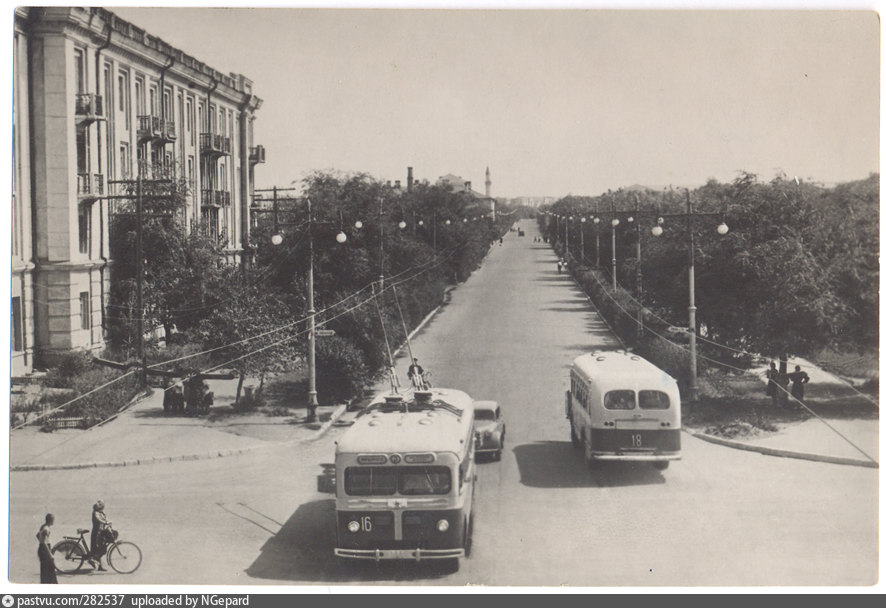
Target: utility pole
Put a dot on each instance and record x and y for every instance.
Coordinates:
(139, 283)
(381, 244)
(693, 368)
(140, 217)
(312, 362)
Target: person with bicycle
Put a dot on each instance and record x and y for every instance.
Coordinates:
(97, 542)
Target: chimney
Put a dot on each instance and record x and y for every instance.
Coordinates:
(396, 184)
(408, 179)
(467, 186)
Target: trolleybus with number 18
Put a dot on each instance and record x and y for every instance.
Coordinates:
(622, 407)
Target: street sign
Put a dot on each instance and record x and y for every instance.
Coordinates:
(324, 332)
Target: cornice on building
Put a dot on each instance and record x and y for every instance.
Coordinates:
(137, 45)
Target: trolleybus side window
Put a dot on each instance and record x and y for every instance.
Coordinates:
(619, 400)
(654, 400)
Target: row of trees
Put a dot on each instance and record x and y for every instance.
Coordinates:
(252, 316)
(797, 271)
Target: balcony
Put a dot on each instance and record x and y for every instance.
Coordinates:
(89, 107)
(215, 145)
(90, 186)
(155, 170)
(156, 129)
(215, 198)
(256, 154)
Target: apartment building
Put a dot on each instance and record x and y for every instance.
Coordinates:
(98, 100)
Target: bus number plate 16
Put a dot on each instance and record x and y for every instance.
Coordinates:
(366, 523)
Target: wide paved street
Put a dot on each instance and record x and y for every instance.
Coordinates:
(719, 517)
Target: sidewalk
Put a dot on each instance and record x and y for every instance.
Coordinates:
(143, 434)
(835, 437)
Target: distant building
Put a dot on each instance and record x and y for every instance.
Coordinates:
(97, 99)
(459, 184)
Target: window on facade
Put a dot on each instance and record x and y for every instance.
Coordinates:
(84, 217)
(167, 105)
(152, 101)
(200, 122)
(109, 90)
(189, 119)
(210, 221)
(85, 312)
(123, 95)
(17, 329)
(124, 160)
(82, 150)
(80, 66)
(139, 96)
(191, 184)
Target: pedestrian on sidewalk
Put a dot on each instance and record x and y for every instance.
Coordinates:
(799, 379)
(772, 386)
(44, 553)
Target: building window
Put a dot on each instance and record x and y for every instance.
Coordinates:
(17, 330)
(124, 160)
(210, 221)
(85, 225)
(123, 95)
(82, 150)
(189, 119)
(191, 185)
(80, 66)
(140, 96)
(85, 312)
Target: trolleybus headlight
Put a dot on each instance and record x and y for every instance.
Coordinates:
(442, 525)
(353, 526)
(395, 459)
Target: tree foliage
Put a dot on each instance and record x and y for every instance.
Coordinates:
(798, 269)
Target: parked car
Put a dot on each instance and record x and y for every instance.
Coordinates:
(489, 428)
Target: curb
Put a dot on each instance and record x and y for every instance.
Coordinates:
(741, 445)
(336, 414)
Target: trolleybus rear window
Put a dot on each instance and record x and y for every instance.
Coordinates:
(654, 400)
(411, 481)
(619, 400)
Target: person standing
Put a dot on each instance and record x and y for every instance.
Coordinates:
(96, 539)
(799, 379)
(416, 374)
(772, 386)
(44, 553)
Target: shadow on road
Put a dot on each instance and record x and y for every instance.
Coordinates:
(557, 464)
(302, 552)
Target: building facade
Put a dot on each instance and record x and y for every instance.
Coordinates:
(98, 100)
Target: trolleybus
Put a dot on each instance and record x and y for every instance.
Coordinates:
(404, 478)
(622, 407)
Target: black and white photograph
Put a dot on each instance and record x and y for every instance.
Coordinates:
(456, 297)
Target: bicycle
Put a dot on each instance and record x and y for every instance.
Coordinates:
(123, 556)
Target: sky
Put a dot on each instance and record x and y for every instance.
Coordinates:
(554, 102)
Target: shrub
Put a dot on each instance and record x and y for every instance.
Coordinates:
(341, 372)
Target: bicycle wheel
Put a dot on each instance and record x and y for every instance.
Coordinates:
(124, 557)
(69, 556)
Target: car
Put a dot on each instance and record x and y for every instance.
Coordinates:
(489, 429)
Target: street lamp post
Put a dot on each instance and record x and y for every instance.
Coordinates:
(581, 227)
(722, 229)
